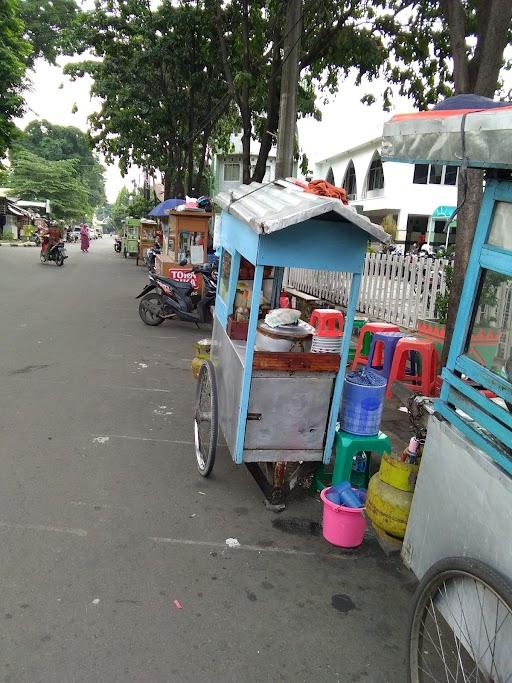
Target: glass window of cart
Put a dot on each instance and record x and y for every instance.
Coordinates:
(490, 338)
(225, 270)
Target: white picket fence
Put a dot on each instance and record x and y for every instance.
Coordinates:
(397, 289)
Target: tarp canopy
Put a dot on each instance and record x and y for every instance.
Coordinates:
(465, 129)
(163, 208)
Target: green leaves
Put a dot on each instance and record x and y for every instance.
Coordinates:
(15, 51)
(33, 177)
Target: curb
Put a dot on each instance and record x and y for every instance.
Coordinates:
(17, 244)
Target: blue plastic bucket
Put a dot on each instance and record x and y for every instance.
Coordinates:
(362, 402)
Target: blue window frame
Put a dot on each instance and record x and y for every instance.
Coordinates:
(483, 420)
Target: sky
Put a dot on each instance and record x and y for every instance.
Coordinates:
(345, 121)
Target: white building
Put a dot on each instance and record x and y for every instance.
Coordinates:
(420, 198)
(227, 169)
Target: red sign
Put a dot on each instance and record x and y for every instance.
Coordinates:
(183, 275)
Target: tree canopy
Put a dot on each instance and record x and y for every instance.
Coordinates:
(14, 54)
(160, 87)
(33, 177)
(169, 78)
(48, 25)
(56, 143)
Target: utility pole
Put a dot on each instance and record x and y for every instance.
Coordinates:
(289, 82)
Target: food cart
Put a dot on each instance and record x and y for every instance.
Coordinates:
(277, 410)
(458, 534)
(185, 238)
(130, 243)
(148, 232)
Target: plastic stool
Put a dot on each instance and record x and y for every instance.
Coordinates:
(425, 364)
(382, 351)
(357, 325)
(363, 348)
(328, 322)
(348, 445)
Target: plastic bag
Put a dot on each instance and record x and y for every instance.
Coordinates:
(282, 316)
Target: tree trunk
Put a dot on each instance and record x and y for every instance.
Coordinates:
(244, 99)
(289, 81)
(466, 224)
(272, 121)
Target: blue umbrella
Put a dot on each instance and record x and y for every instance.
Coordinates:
(163, 208)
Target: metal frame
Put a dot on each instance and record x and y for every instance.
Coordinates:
(489, 425)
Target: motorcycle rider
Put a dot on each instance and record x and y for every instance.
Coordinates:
(50, 240)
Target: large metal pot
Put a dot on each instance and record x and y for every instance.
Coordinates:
(296, 338)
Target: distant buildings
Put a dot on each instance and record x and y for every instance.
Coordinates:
(227, 168)
(420, 198)
(14, 213)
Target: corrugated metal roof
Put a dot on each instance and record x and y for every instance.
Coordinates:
(273, 206)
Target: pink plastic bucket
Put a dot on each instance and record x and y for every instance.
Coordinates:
(342, 526)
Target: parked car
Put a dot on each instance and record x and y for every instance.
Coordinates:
(75, 234)
(93, 234)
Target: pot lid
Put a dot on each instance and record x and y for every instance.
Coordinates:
(301, 330)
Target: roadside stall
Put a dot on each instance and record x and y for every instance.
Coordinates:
(148, 233)
(130, 241)
(185, 238)
(274, 400)
(460, 524)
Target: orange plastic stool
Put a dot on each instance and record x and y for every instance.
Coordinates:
(328, 322)
(361, 356)
(423, 383)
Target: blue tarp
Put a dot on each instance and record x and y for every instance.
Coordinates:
(163, 208)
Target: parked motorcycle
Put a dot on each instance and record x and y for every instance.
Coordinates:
(150, 255)
(117, 244)
(163, 298)
(56, 253)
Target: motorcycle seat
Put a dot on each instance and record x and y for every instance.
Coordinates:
(184, 286)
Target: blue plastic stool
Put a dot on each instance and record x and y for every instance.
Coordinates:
(388, 340)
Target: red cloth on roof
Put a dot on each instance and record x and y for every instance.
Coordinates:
(325, 189)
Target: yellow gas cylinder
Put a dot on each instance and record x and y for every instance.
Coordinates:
(387, 507)
(400, 475)
(202, 353)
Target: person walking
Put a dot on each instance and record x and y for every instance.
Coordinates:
(84, 238)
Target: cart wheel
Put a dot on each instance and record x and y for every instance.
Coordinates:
(459, 625)
(206, 419)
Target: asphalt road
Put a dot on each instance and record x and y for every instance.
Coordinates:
(105, 523)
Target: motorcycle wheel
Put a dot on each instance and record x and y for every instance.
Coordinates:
(43, 258)
(59, 260)
(147, 311)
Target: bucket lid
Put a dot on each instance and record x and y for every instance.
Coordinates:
(366, 378)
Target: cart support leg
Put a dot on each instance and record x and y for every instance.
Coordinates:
(276, 492)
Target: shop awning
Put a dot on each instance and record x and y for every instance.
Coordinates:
(443, 212)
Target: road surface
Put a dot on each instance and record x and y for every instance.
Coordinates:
(114, 564)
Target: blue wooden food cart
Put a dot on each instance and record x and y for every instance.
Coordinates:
(277, 410)
(458, 534)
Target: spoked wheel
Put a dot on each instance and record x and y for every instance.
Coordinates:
(149, 309)
(206, 419)
(461, 627)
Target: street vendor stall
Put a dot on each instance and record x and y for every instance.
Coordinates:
(185, 238)
(130, 240)
(460, 524)
(148, 233)
(275, 408)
